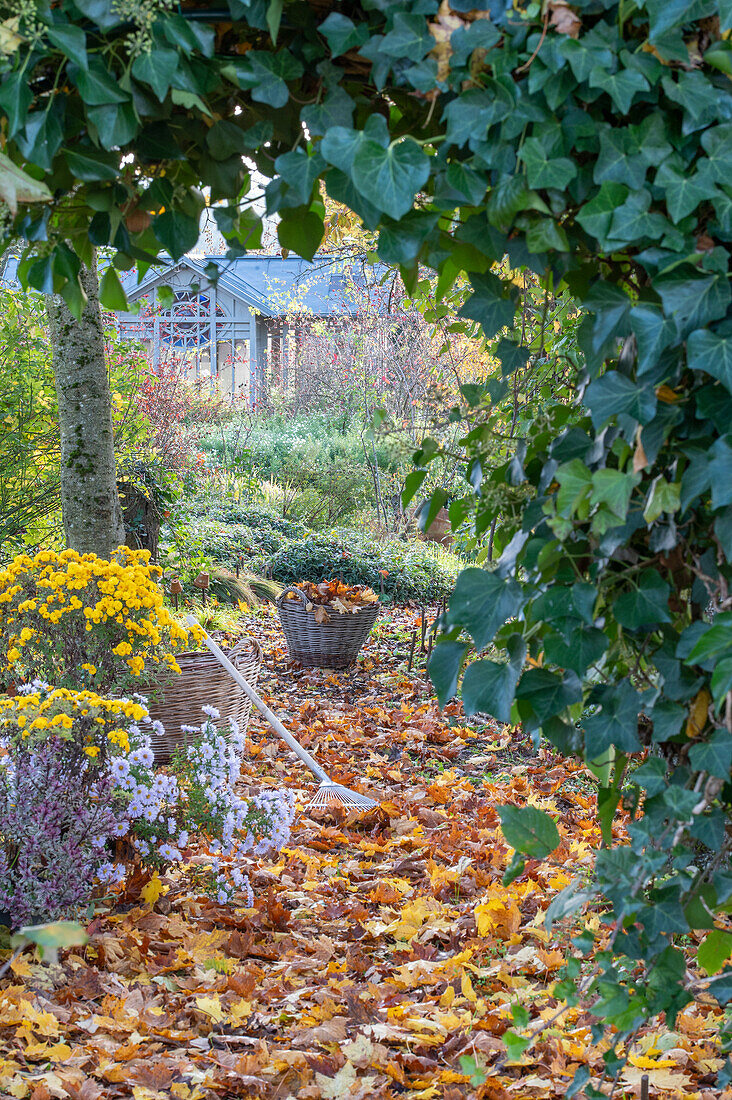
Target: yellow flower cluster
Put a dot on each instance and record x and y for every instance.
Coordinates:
(41, 714)
(117, 606)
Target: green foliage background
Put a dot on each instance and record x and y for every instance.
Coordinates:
(595, 151)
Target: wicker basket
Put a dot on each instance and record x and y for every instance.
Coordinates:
(177, 700)
(334, 644)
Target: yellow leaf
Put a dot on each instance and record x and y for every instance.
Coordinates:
(212, 1007)
(447, 997)
(152, 891)
(698, 713)
(59, 1052)
(242, 1010)
(21, 967)
(466, 988)
(667, 395)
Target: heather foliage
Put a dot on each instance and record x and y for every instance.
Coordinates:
(78, 781)
(49, 813)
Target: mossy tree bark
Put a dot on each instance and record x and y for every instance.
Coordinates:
(89, 499)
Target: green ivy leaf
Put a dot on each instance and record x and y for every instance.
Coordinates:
(664, 496)
(342, 34)
(90, 165)
(542, 694)
(115, 123)
(111, 294)
(444, 668)
(621, 86)
(491, 304)
(720, 472)
(685, 191)
(266, 75)
(614, 489)
(468, 183)
(713, 756)
(390, 178)
(100, 12)
(410, 38)
(71, 41)
(582, 649)
(614, 393)
(177, 232)
(714, 951)
(481, 603)
(15, 99)
(707, 351)
(512, 356)
(544, 171)
(714, 642)
(596, 215)
(299, 170)
(530, 831)
(488, 688)
(646, 605)
(96, 85)
(301, 232)
(616, 723)
(693, 298)
(157, 68)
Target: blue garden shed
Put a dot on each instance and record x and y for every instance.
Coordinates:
(246, 323)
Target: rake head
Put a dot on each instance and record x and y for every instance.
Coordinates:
(333, 794)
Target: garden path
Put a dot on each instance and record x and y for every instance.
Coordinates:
(382, 956)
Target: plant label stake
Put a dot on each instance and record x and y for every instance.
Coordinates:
(202, 581)
(175, 590)
(328, 791)
(411, 649)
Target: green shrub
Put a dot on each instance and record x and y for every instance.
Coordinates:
(411, 571)
(229, 512)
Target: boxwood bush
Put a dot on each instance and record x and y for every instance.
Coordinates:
(412, 571)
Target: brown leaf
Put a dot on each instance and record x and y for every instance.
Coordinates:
(563, 19)
(640, 459)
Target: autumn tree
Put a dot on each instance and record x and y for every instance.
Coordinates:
(591, 143)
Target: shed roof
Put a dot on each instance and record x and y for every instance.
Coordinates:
(274, 285)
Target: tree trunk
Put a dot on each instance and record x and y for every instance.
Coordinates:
(89, 500)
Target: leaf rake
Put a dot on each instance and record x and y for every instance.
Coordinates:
(328, 793)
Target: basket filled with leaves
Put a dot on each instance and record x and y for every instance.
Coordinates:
(326, 624)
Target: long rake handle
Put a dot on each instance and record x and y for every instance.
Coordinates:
(262, 707)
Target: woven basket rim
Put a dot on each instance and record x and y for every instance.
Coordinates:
(283, 602)
(236, 650)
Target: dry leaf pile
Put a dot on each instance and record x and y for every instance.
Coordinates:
(383, 954)
(329, 596)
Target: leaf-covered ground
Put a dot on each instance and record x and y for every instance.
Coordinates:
(383, 954)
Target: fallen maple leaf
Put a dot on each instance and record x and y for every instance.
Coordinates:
(152, 890)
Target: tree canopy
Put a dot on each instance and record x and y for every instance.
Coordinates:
(591, 142)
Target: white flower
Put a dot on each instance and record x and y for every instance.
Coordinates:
(120, 767)
(211, 712)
